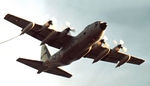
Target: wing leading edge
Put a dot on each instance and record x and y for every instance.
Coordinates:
(39, 66)
(39, 33)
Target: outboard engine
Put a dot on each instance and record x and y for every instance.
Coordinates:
(119, 46)
(123, 60)
(28, 28)
(47, 24)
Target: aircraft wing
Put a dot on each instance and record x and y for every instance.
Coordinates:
(39, 33)
(113, 56)
(39, 66)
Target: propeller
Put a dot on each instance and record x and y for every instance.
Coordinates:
(105, 38)
(68, 29)
(103, 41)
(115, 42)
(54, 21)
(120, 45)
(68, 24)
(120, 42)
(124, 49)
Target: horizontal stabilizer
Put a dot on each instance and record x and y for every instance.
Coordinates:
(58, 71)
(39, 66)
(32, 63)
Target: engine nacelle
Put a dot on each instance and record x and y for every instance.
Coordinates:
(47, 24)
(101, 55)
(49, 37)
(65, 32)
(102, 41)
(27, 28)
(124, 60)
(118, 47)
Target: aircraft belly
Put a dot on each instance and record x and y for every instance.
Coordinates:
(70, 57)
(75, 51)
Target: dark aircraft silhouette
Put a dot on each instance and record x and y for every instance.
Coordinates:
(87, 44)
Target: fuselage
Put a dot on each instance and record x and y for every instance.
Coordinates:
(79, 46)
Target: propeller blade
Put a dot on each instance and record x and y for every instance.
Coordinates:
(115, 42)
(72, 29)
(62, 27)
(106, 45)
(105, 38)
(121, 42)
(54, 20)
(52, 26)
(124, 49)
(68, 24)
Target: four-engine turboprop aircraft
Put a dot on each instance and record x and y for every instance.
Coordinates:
(87, 44)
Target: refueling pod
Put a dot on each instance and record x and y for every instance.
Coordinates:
(27, 28)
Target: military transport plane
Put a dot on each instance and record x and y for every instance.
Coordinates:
(87, 44)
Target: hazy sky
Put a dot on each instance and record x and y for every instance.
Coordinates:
(128, 20)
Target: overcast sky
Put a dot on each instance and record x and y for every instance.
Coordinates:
(128, 20)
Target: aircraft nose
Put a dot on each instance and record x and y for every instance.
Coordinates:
(103, 25)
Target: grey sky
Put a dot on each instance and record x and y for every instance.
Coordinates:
(127, 20)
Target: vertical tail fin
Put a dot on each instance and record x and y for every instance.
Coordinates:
(45, 55)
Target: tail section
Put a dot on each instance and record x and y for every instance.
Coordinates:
(45, 55)
(41, 68)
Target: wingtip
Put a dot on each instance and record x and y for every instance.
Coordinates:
(69, 76)
(7, 16)
(18, 59)
(142, 61)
